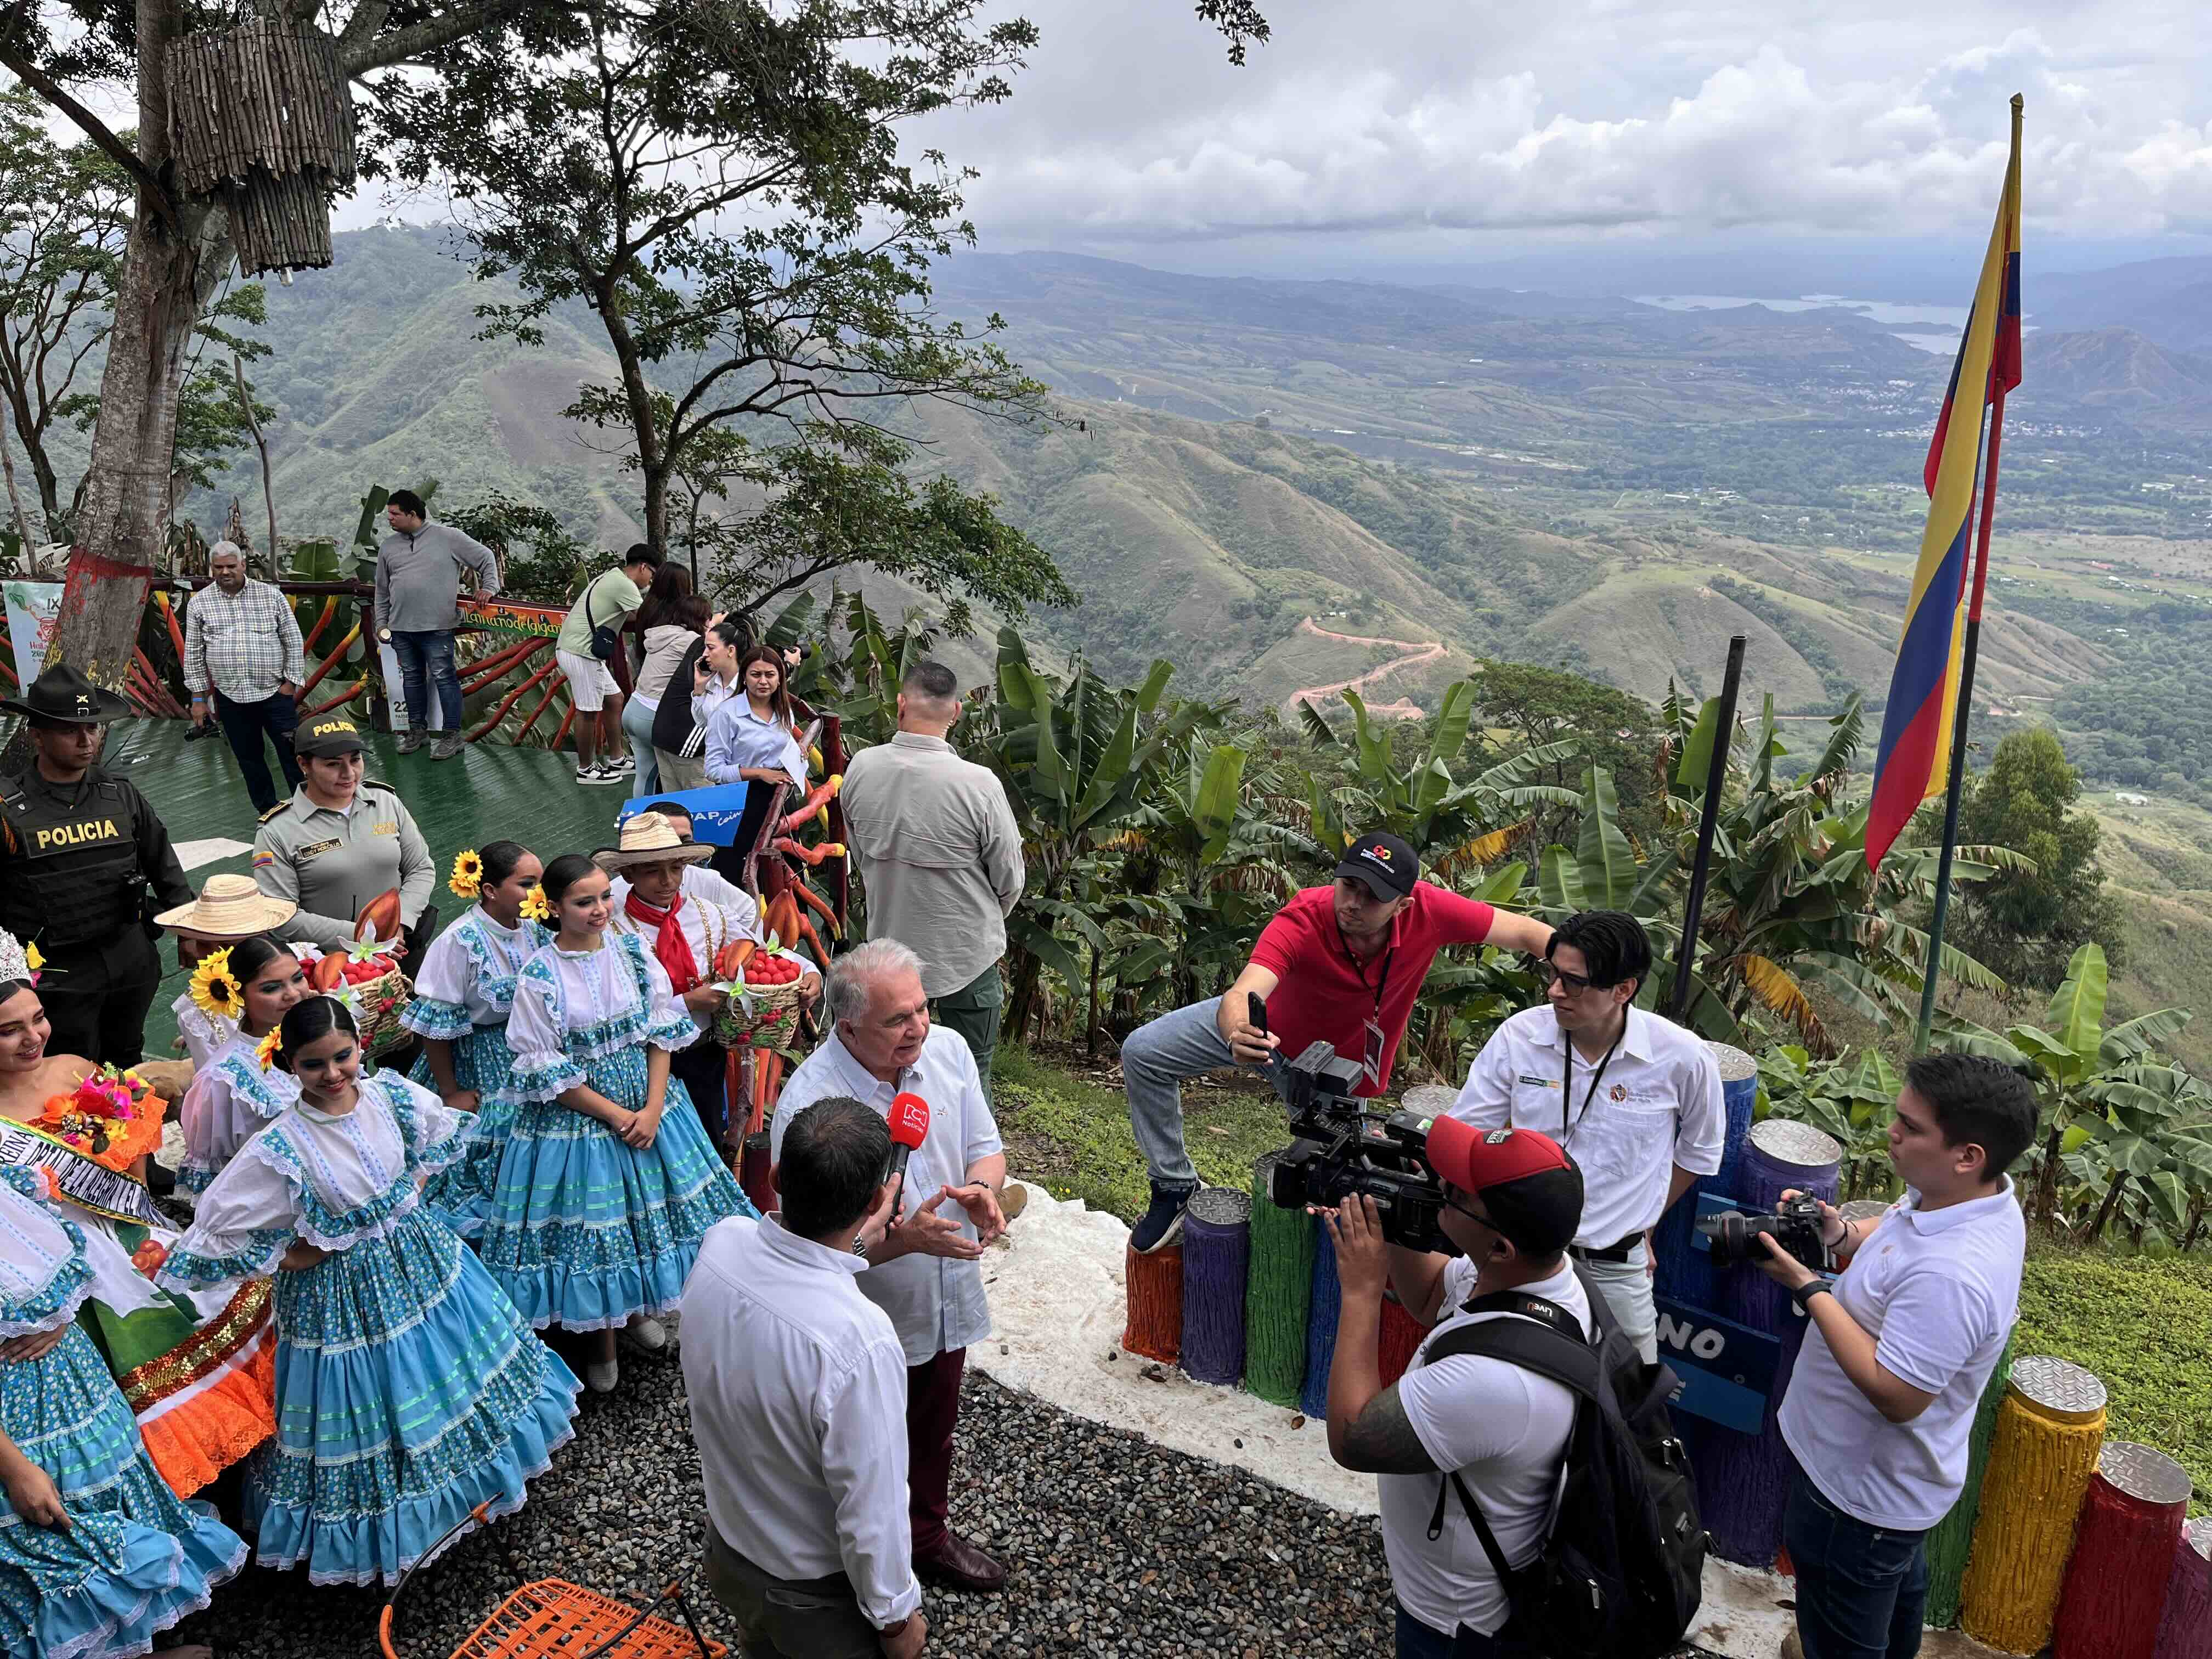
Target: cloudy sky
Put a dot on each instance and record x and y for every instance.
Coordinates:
(1427, 130)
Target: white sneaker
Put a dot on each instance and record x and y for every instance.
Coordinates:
(624, 764)
(597, 774)
(646, 1332)
(601, 1375)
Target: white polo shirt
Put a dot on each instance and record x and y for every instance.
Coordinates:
(936, 1303)
(1658, 1104)
(1505, 1431)
(798, 1392)
(1938, 1291)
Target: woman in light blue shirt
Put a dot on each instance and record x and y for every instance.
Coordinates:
(749, 739)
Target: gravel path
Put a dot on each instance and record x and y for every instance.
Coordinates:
(1115, 1546)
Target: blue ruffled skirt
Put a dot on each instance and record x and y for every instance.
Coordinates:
(409, 1391)
(584, 1231)
(137, 1558)
(460, 1194)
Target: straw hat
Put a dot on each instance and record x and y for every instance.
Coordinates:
(229, 907)
(649, 838)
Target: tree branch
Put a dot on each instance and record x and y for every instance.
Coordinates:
(403, 44)
(96, 129)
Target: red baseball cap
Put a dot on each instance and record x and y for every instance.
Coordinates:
(1531, 1189)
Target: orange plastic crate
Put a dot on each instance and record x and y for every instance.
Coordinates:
(552, 1618)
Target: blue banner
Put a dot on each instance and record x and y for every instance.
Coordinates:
(716, 811)
(1727, 1370)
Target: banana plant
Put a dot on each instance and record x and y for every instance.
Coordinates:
(1849, 1100)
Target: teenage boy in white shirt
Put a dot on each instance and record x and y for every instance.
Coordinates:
(1902, 1344)
(1633, 1098)
(1512, 1201)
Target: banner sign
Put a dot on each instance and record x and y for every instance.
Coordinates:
(1727, 1370)
(519, 621)
(33, 609)
(716, 811)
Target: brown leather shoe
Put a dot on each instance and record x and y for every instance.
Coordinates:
(960, 1566)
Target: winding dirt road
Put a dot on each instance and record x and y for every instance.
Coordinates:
(1414, 653)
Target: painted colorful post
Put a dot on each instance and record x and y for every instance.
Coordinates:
(2049, 1431)
(2186, 1631)
(1216, 1252)
(1321, 1310)
(1686, 1272)
(1952, 1539)
(1277, 1287)
(1155, 1287)
(2116, 1584)
(1398, 1341)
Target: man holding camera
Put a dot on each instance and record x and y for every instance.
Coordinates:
(1635, 1098)
(797, 1391)
(1342, 963)
(1882, 1401)
(1512, 1202)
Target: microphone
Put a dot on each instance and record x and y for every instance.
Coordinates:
(909, 1121)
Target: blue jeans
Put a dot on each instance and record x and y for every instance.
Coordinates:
(637, 726)
(428, 656)
(243, 725)
(1154, 1060)
(1417, 1641)
(1862, 1590)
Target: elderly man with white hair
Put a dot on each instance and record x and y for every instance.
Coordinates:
(926, 1272)
(243, 656)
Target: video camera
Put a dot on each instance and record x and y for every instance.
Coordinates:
(1795, 1225)
(1342, 1148)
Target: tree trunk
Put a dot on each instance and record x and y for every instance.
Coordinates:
(165, 280)
(15, 500)
(2195, 1225)
(2046, 1181)
(2111, 1201)
(1090, 1025)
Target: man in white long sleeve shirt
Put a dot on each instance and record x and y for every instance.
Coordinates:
(798, 1390)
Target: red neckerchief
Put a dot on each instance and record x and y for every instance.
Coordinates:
(669, 944)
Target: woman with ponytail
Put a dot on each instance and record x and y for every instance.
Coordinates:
(410, 1390)
(462, 1000)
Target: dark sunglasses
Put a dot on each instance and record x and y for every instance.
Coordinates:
(1577, 983)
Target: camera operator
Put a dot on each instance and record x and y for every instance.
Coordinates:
(1882, 1401)
(1343, 962)
(798, 1390)
(1512, 1200)
(1634, 1099)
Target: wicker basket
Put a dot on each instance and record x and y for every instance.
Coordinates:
(772, 1022)
(377, 1006)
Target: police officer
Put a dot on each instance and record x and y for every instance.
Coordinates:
(339, 841)
(84, 865)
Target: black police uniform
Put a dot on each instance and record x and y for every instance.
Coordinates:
(84, 867)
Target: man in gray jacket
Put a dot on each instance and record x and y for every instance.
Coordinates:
(939, 856)
(417, 607)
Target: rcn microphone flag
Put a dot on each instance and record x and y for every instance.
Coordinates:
(909, 1121)
(1915, 759)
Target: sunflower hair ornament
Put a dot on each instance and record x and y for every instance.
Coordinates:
(266, 1053)
(467, 879)
(534, 904)
(215, 990)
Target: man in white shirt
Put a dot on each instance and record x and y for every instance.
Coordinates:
(242, 648)
(927, 1274)
(1635, 1099)
(798, 1392)
(1513, 1199)
(1881, 1403)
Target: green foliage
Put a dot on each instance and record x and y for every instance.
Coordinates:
(2024, 922)
(2147, 725)
(2143, 1324)
(1849, 1099)
(539, 562)
(1520, 708)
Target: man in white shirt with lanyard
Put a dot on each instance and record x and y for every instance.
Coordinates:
(927, 1274)
(797, 1391)
(1881, 1403)
(1635, 1099)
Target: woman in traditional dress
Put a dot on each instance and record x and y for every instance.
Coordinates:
(253, 983)
(198, 1372)
(96, 1553)
(229, 910)
(609, 1182)
(409, 1389)
(461, 1002)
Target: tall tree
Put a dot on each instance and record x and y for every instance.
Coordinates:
(724, 188)
(64, 212)
(2027, 923)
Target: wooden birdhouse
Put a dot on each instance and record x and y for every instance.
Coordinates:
(259, 119)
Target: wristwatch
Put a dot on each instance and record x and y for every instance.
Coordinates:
(1803, 1295)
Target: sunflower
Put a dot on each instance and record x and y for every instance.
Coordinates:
(467, 879)
(32, 960)
(215, 990)
(266, 1053)
(534, 905)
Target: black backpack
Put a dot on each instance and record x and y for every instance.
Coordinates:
(1622, 1571)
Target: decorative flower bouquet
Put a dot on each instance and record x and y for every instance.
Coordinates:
(112, 1117)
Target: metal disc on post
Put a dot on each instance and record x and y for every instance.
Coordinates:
(2049, 1431)
(2117, 1582)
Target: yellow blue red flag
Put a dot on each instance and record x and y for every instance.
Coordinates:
(1914, 760)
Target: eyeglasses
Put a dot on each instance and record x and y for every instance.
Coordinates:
(1575, 983)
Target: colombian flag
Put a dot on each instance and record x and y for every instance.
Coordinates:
(1914, 762)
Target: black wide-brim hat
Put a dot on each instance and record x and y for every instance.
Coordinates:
(63, 694)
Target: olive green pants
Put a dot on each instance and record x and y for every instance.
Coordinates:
(973, 1011)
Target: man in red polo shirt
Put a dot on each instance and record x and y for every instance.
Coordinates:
(1343, 962)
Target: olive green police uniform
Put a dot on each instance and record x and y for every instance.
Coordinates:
(332, 863)
(83, 867)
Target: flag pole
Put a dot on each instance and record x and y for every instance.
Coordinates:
(1709, 823)
(1933, 971)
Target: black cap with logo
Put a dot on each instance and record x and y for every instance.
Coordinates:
(1387, 865)
(327, 734)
